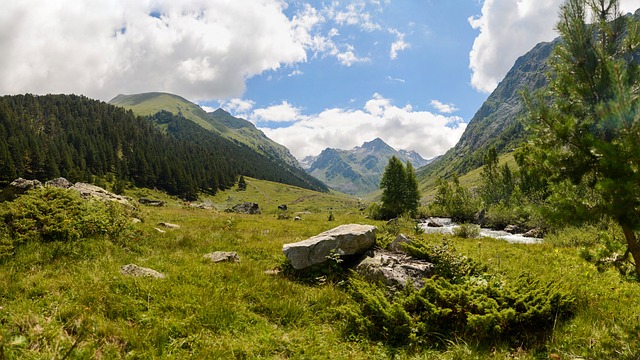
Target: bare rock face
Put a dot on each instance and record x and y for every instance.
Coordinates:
(222, 256)
(394, 269)
(135, 270)
(88, 190)
(351, 239)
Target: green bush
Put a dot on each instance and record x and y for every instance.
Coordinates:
(447, 262)
(58, 215)
(467, 231)
(480, 309)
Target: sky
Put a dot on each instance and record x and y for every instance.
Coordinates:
(309, 74)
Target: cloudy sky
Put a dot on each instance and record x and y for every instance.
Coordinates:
(310, 74)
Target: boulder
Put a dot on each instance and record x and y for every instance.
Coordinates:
(343, 240)
(59, 183)
(88, 190)
(246, 208)
(151, 202)
(438, 222)
(513, 229)
(393, 269)
(135, 270)
(396, 244)
(18, 187)
(282, 207)
(222, 256)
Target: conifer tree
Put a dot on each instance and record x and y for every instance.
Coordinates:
(586, 125)
(400, 193)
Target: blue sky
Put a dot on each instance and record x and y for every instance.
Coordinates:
(310, 74)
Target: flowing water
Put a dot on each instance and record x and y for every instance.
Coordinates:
(447, 227)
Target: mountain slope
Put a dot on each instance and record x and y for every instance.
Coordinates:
(219, 121)
(44, 137)
(496, 123)
(357, 171)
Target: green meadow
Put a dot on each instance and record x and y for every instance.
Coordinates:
(68, 299)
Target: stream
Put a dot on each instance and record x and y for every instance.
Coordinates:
(448, 226)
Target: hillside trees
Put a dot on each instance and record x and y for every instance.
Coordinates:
(400, 193)
(586, 124)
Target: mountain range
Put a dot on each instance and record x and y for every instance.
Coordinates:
(357, 171)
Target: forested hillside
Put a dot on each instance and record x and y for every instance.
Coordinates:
(44, 137)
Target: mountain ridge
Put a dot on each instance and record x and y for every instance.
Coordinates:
(357, 171)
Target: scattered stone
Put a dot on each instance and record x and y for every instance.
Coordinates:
(169, 225)
(513, 229)
(203, 206)
(88, 190)
(135, 270)
(59, 183)
(222, 256)
(136, 220)
(438, 222)
(18, 187)
(246, 208)
(394, 269)
(348, 239)
(396, 244)
(303, 213)
(297, 218)
(282, 207)
(160, 230)
(534, 233)
(151, 202)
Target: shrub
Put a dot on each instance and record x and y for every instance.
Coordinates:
(467, 231)
(447, 262)
(481, 308)
(51, 214)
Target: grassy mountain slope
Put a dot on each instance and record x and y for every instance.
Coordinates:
(357, 171)
(219, 121)
(496, 123)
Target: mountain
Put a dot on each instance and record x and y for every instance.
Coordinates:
(357, 171)
(219, 121)
(496, 123)
(44, 137)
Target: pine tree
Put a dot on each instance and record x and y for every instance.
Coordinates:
(400, 193)
(586, 126)
(242, 185)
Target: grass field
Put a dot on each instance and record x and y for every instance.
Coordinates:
(69, 299)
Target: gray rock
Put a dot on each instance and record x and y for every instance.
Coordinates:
(394, 269)
(135, 270)
(282, 207)
(88, 190)
(513, 229)
(59, 183)
(169, 225)
(396, 244)
(18, 187)
(348, 239)
(222, 256)
(534, 233)
(297, 218)
(246, 208)
(151, 202)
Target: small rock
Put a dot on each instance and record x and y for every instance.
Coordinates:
(135, 270)
(160, 230)
(151, 202)
(297, 218)
(513, 229)
(282, 207)
(222, 256)
(136, 220)
(18, 187)
(169, 225)
(534, 233)
(246, 208)
(394, 269)
(396, 245)
(88, 190)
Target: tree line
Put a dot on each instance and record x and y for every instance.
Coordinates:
(45, 137)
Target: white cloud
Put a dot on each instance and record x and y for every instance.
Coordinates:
(509, 29)
(390, 78)
(104, 47)
(284, 112)
(444, 108)
(429, 134)
(398, 45)
(239, 107)
(295, 73)
(355, 14)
